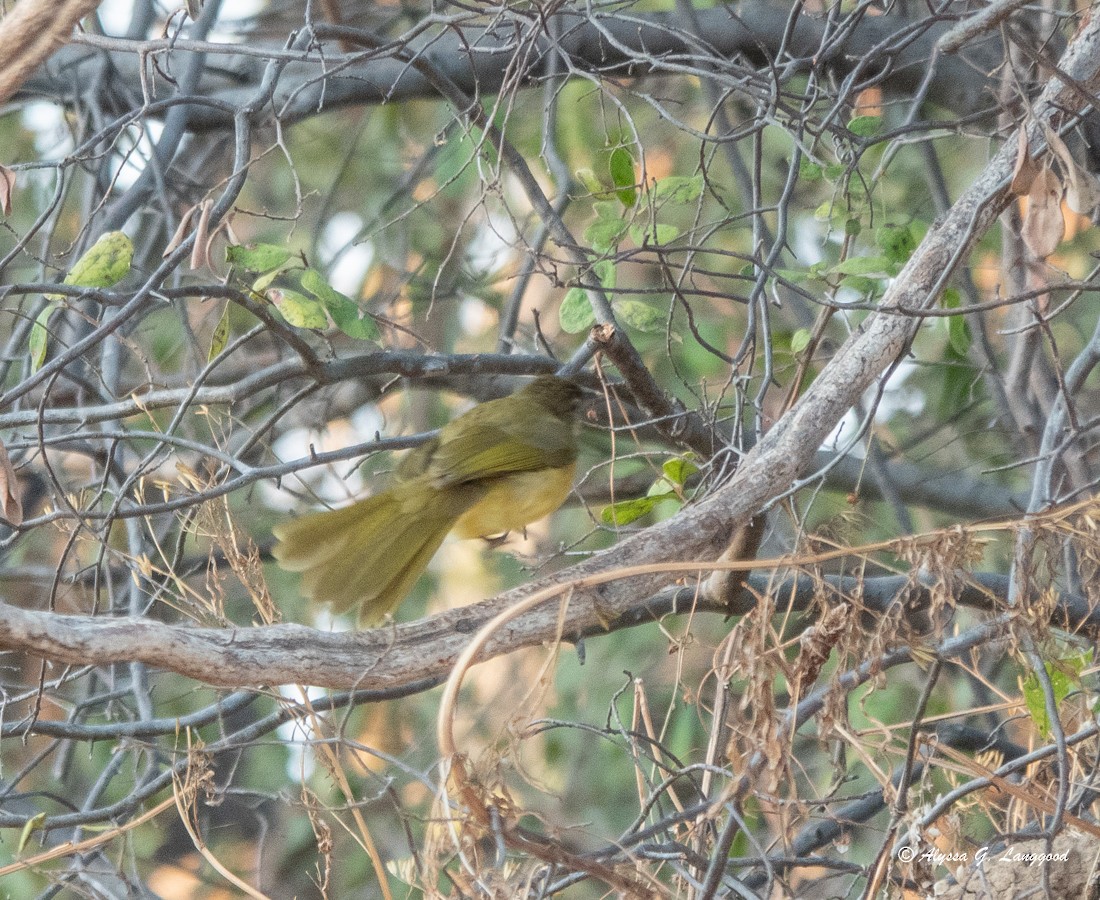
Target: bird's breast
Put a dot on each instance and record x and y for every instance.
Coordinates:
(515, 501)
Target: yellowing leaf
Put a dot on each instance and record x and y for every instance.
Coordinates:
(298, 309)
(220, 337)
(39, 339)
(104, 264)
(591, 183)
(33, 824)
(258, 257)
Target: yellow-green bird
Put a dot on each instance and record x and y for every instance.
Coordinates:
(496, 468)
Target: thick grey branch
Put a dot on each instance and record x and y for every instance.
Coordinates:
(481, 61)
(422, 651)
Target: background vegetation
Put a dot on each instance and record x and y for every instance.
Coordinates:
(818, 618)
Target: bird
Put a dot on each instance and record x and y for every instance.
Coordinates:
(497, 468)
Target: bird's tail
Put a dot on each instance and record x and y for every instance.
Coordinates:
(371, 553)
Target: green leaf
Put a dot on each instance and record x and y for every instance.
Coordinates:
(39, 338)
(282, 279)
(605, 271)
(956, 385)
(303, 296)
(640, 316)
(104, 264)
(610, 210)
(958, 329)
(605, 234)
(591, 183)
(356, 323)
(34, 822)
(861, 284)
(1036, 705)
(575, 313)
(345, 312)
(865, 126)
(795, 276)
(660, 233)
(897, 242)
(258, 257)
(678, 189)
(220, 337)
(679, 469)
(626, 511)
(621, 167)
(1064, 676)
(809, 171)
(298, 309)
(264, 281)
(313, 282)
(665, 233)
(852, 227)
(833, 171)
(800, 340)
(863, 265)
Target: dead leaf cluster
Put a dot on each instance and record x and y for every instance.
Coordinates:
(1046, 183)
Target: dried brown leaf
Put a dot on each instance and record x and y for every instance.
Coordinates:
(7, 185)
(199, 257)
(1026, 168)
(11, 506)
(1082, 191)
(1058, 147)
(1044, 224)
(818, 641)
(180, 233)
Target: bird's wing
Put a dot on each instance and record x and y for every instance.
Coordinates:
(479, 450)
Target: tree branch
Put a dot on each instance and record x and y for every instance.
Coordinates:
(424, 651)
(480, 61)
